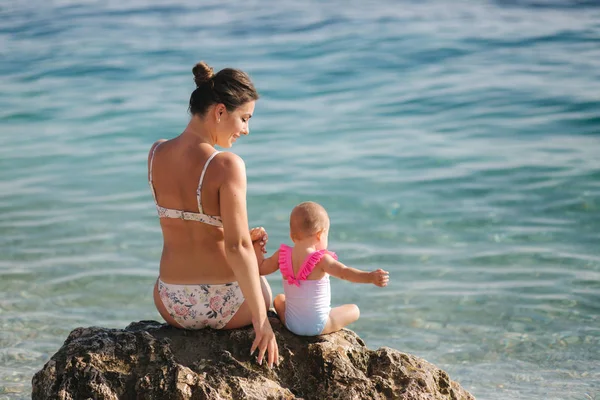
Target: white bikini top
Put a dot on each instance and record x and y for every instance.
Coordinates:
(180, 214)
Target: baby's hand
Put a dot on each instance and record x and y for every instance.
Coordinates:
(257, 233)
(380, 277)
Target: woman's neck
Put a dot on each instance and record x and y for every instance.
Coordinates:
(197, 131)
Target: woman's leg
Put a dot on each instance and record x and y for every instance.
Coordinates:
(162, 310)
(266, 291)
(243, 317)
(340, 317)
(279, 303)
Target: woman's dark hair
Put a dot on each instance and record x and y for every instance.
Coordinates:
(229, 86)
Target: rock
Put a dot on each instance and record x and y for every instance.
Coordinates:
(149, 360)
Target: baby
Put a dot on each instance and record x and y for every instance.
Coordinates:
(305, 307)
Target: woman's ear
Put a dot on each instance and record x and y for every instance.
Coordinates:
(219, 110)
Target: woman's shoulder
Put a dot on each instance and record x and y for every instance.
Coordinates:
(159, 141)
(154, 146)
(227, 157)
(230, 163)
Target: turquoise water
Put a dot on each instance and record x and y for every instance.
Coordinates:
(455, 144)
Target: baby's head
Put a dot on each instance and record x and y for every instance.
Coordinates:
(309, 220)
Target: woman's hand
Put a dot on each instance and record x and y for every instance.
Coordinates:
(265, 341)
(259, 234)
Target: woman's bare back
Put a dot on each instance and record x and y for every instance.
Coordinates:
(193, 251)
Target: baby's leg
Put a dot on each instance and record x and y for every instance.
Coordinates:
(279, 303)
(341, 316)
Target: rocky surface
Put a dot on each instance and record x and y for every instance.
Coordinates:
(149, 360)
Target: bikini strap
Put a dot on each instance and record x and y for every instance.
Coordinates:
(199, 190)
(150, 171)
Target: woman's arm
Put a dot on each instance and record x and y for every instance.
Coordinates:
(240, 252)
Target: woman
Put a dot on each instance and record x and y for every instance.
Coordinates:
(208, 270)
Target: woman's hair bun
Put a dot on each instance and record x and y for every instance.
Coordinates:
(202, 73)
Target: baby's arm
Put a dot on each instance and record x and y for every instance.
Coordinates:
(268, 265)
(335, 268)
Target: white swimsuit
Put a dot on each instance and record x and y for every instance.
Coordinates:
(307, 302)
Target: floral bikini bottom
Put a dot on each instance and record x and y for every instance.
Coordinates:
(201, 306)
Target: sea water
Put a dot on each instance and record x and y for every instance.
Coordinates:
(455, 144)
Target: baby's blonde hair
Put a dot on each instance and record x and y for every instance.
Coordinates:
(308, 219)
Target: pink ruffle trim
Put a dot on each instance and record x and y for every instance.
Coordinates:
(285, 264)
